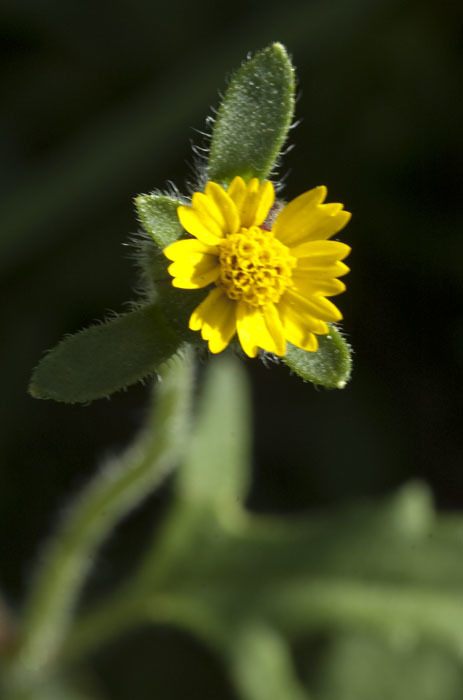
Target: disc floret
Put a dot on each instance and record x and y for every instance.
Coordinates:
(254, 266)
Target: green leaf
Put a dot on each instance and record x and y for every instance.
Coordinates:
(329, 366)
(364, 666)
(341, 570)
(158, 216)
(105, 358)
(254, 117)
(216, 470)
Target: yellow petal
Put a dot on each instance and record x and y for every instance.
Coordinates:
(316, 268)
(291, 314)
(326, 221)
(300, 329)
(306, 218)
(200, 225)
(253, 201)
(188, 249)
(297, 210)
(307, 286)
(331, 250)
(316, 306)
(224, 327)
(194, 272)
(255, 332)
(201, 312)
(230, 221)
(265, 199)
(245, 328)
(212, 317)
(275, 328)
(209, 210)
(237, 192)
(249, 204)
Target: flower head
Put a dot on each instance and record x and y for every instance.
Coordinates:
(271, 279)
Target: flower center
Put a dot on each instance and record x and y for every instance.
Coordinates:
(255, 266)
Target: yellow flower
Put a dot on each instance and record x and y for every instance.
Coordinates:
(271, 279)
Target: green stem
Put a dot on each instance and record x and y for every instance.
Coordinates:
(389, 609)
(112, 493)
(293, 608)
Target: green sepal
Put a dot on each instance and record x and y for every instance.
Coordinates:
(104, 358)
(330, 366)
(254, 117)
(158, 216)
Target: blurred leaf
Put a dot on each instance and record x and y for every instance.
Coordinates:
(329, 366)
(262, 667)
(254, 117)
(104, 358)
(216, 470)
(361, 667)
(395, 569)
(158, 215)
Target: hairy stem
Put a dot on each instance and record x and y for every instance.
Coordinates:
(117, 488)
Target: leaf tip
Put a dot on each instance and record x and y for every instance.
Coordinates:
(140, 204)
(33, 391)
(278, 48)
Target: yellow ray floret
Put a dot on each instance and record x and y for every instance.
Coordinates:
(271, 283)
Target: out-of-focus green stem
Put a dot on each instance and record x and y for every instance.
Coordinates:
(293, 609)
(114, 491)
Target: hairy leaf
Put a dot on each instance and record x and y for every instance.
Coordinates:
(253, 118)
(329, 366)
(158, 216)
(104, 358)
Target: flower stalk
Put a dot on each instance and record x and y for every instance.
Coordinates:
(114, 491)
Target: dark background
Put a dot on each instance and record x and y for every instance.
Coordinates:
(99, 103)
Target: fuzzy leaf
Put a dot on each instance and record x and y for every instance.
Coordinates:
(253, 118)
(330, 366)
(104, 358)
(158, 216)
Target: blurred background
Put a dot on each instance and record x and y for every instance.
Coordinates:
(101, 102)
